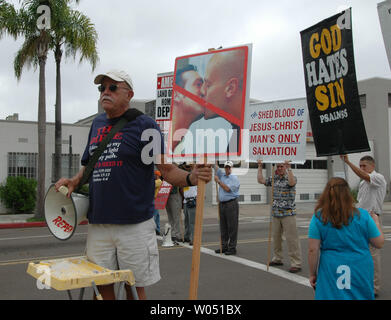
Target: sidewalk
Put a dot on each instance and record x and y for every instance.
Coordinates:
(210, 212)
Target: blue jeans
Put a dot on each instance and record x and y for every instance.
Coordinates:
(189, 221)
(156, 217)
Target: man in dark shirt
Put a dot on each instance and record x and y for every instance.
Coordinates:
(121, 232)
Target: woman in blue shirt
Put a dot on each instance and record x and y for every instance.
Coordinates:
(341, 234)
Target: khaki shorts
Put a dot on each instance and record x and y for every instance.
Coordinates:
(129, 246)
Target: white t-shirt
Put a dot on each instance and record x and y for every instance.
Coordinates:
(218, 127)
(371, 194)
(189, 192)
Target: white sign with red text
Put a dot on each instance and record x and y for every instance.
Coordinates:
(163, 96)
(162, 196)
(277, 131)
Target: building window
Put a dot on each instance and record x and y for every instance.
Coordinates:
(255, 197)
(66, 170)
(304, 196)
(389, 100)
(22, 164)
(363, 100)
(319, 164)
(241, 198)
(305, 165)
(254, 165)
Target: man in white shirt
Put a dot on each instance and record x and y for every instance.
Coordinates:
(371, 193)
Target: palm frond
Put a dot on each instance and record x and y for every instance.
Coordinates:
(81, 37)
(26, 57)
(9, 22)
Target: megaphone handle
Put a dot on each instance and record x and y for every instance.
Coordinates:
(63, 190)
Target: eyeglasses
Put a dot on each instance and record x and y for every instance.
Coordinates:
(112, 88)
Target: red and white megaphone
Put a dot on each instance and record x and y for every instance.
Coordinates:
(63, 214)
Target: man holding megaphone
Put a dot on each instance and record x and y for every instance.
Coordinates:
(121, 231)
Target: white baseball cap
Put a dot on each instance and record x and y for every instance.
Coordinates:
(116, 75)
(228, 163)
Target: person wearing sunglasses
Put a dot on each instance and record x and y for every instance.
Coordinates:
(121, 231)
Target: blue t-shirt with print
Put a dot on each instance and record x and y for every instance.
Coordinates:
(345, 267)
(122, 183)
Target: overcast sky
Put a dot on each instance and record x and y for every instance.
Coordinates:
(143, 37)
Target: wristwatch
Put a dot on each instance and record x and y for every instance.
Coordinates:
(188, 181)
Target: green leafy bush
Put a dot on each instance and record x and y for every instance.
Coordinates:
(19, 194)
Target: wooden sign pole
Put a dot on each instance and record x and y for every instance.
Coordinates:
(197, 237)
(270, 223)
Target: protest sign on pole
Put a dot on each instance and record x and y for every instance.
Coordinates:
(162, 195)
(163, 96)
(207, 114)
(277, 131)
(384, 11)
(331, 86)
(210, 94)
(163, 103)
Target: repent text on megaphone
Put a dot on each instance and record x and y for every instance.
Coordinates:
(63, 214)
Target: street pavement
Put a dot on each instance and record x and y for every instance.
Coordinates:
(229, 278)
(210, 212)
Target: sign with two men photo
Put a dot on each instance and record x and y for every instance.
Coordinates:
(210, 92)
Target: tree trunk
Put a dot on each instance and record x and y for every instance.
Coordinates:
(58, 132)
(41, 139)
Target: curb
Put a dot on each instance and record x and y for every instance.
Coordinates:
(16, 225)
(22, 225)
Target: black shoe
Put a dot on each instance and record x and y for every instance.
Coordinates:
(223, 251)
(190, 242)
(158, 233)
(186, 240)
(230, 252)
(294, 269)
(272, 263)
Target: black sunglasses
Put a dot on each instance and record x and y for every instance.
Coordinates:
(112, 88)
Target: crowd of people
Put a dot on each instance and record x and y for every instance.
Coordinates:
(344, 237)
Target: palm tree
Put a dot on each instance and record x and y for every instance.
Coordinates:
(34, 51)
(69, 28)
(76, 33)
